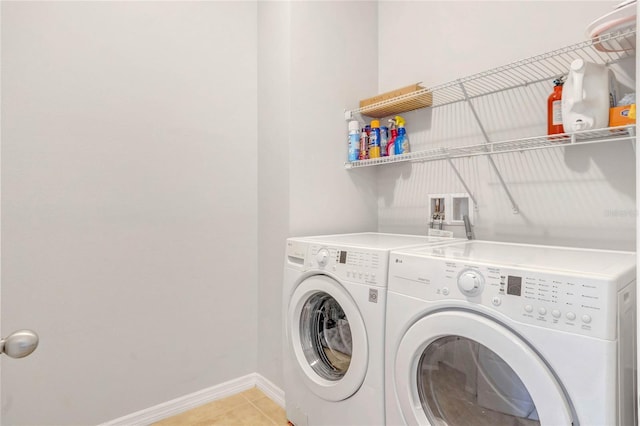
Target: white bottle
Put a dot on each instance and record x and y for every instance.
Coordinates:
(354, 141)
(585, 97)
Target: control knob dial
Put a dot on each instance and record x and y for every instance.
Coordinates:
(470, 282)
(322, 256)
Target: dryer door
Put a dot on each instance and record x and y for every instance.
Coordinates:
(460, 368)
(328, 337)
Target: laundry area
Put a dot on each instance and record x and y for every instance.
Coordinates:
(318, 212)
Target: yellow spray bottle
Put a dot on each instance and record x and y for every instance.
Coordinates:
(401, 145)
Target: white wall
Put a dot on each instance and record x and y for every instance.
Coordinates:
(316, 59)
(129, 209)
(579, 196)
(123, 213)
(333, 64)
(274, 101)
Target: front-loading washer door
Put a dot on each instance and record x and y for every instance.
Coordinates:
(457, 368)
(328, 338)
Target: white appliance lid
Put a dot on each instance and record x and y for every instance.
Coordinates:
(584, 261)
(377, 240)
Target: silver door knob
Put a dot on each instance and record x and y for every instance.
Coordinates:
(19, 344)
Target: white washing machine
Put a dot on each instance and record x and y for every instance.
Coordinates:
(484, 333)
(334, 298)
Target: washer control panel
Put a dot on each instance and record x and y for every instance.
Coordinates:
(351, 264)
(567, 302)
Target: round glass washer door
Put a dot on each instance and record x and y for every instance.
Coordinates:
(328, 337)
(458, 368)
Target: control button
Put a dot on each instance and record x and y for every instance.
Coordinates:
(445, 291)
(556, 313)
(496, 301)
(586, 319)
(571, 316)
(528, 308)
(373, 276)
(542, 311)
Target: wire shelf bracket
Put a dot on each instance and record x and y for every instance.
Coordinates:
(514, 205)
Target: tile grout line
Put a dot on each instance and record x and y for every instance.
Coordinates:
(226, 411)
(261, 412)
(236, 408)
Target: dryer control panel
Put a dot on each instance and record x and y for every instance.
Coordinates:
(571, 303)
(365, 266)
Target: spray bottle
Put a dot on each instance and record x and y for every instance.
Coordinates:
(391, 150)
(402, 141)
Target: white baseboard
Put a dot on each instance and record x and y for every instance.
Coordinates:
(272, 391)
(188, 402)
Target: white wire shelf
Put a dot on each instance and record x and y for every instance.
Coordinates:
(545, 67)
(609, 134)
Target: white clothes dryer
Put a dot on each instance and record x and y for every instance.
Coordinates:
(485, 333)
(334, 298)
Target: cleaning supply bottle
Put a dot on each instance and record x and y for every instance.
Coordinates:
(364, 144)
(384, 140)
(586, 96)
(354, 141)
(402, 141)
(391, 144)
(374, 139)
(554, 108)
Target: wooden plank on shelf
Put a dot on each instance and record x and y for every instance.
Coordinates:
(397, 101)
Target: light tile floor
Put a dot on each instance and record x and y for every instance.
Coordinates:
(248, 408)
